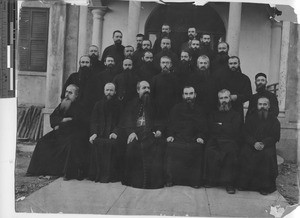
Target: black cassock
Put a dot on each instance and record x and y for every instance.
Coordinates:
(206, 88)
(106, 155)
(221, 155)
(238, 84)
(64, 151)
(165, 91)
(85, 80)
(146, 72)
(144, 157)
(258, 169)
(117, 51)
(184, 156)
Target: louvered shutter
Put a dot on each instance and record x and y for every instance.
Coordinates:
(33, 36)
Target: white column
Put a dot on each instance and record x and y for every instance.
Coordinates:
(98, 18)
(234, 28)
(283, 64)
(82, 33)
(55, 65)
(133, 22)
(273, 76)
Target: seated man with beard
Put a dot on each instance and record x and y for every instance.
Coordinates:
(145, 147)
(186, 138)
(261, 83)
(85, 80)
(258, 160)
(126, 82)
(63, 151)
(221, 155)
(106, 150)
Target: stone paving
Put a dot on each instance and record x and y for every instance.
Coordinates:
(87, 197)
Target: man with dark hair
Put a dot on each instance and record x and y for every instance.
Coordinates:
(205, 46)
(145, 147)
(165, 89)
(221, 155)
(237, 83)
(126, 82)
(165, 51)
(147, 70)
(192, 34)
(220, 62)
(85, 80)
(63, 151)
(138, 54)
(106, 76)
(204, 84)
(96, 65)
(194, 51)
(258, 160)
(139, 40)
(165, 33)
(185, 68)
(186, 136)
(116, 50)
(128, 51)
(106, 149)
(261, 89)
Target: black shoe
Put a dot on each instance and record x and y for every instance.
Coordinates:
(169, 184)
(208, 186)
(230, 190)
(263, 192)
(80, 175)
(66, 178)
(196, 186)
(241, 189)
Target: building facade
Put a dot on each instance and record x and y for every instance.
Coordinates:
(64, 32)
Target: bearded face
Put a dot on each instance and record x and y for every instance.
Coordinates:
(263, 106)
(261, 83)
(224, 101)
(224, 106)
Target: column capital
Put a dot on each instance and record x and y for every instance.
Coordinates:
(98, 11)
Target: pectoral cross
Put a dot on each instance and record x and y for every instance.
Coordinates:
(142, 121)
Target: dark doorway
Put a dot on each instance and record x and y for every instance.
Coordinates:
(183, 15)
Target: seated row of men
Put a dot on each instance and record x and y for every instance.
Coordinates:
(140, 149)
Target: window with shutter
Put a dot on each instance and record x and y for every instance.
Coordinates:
(33, 39)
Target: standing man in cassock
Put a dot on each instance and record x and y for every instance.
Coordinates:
(106, 76)
(96, 65)
(137, 55)
(237, 83)
(147, 70)
(221, 155)
(165, 89)
(186, 136)
(165, 51)
(185, 68)
(194, 51)
(205, 46)
(116, 50)
(192, 34)
(261, 89)
(165, 33)
(106, 149)
(220, 63)
(139, 41)
(63, 151)
(145, 146)
(258, 159)
(126, 82)
(204, 84)
(128, 51)
(85, 80)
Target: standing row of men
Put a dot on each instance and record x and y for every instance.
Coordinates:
(159, 139)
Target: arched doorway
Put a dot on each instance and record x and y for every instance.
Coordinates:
(183, 15)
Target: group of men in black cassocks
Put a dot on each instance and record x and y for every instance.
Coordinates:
(150, 119)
